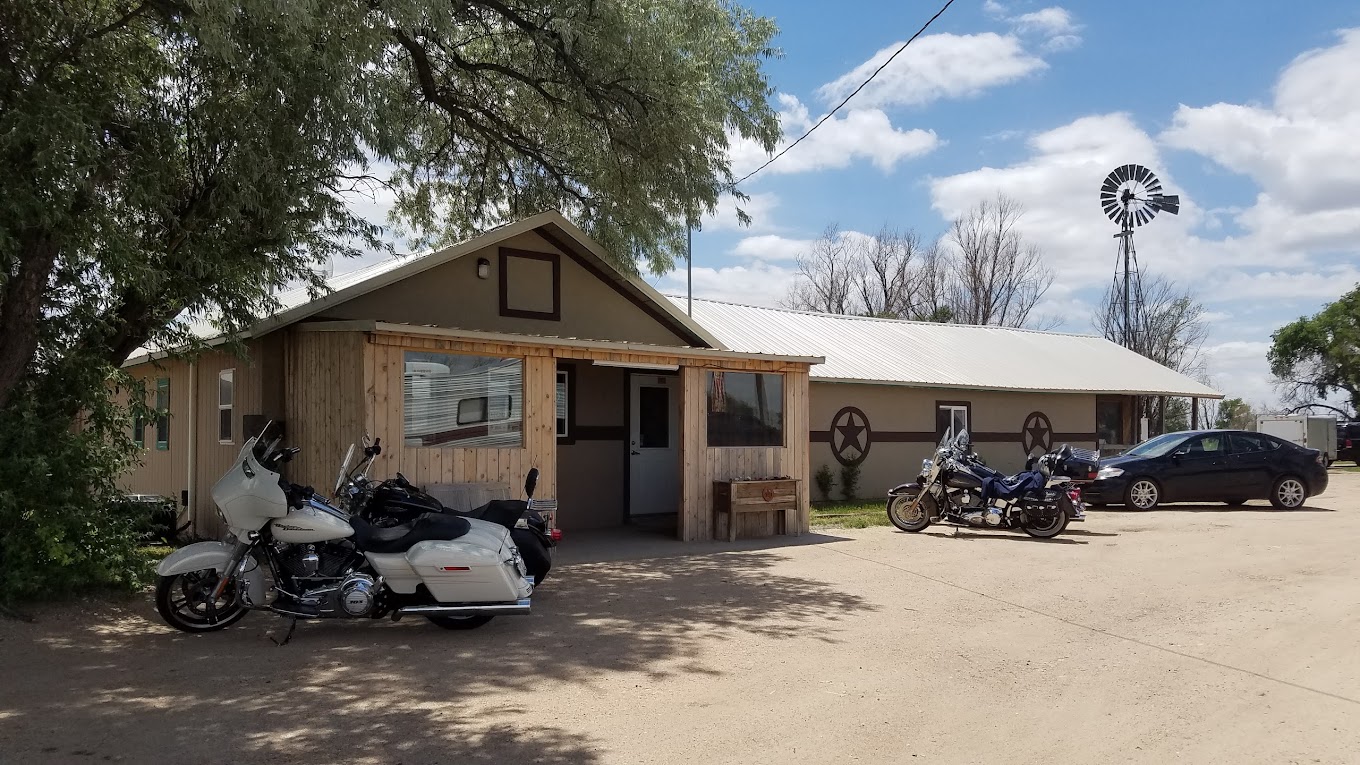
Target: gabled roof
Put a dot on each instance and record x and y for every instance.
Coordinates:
(297, 305)
(922, 354)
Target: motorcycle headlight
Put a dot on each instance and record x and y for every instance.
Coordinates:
(1110, 472)
(926, 465)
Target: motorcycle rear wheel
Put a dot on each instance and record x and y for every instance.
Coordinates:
(899, 506)
(460, 622)
(182, 601)
(1046, 528)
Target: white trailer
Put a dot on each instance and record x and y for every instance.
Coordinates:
(1303, 429)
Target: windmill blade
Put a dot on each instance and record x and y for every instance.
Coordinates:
(1141, 174)
(1169, 203)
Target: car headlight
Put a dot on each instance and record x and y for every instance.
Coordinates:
(1110, 472)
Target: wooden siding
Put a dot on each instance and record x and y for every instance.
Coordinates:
(701, 464)
(324, 403)
(383, 367)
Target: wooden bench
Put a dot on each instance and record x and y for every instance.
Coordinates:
(778, 496)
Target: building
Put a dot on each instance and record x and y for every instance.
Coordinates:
(519, 348)
(889, 390)
(524, 347)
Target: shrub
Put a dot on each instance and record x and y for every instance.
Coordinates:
(850, 480)
(824, 479)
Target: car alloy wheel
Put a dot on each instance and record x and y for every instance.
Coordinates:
(1291, 493)
(1143, 494)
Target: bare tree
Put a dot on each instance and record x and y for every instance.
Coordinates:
(998, 278)
(829, 273)
(1172, 329)
(886, 280)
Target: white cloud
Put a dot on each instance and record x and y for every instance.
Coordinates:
(1323, 285)
(1302, 151)
(1053, 21)
(861, 134)
(771, 247)
(1240, 370)
(760, 207)
(756, 284)
(936, 67)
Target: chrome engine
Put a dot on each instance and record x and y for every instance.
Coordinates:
(358, 595)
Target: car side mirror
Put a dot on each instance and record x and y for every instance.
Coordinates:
(530, 482)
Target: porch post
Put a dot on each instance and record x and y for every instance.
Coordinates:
(1194, 414)
(695, 516)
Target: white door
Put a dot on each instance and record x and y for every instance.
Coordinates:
(653, 444)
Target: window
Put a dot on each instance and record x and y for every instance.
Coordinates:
(163, 413)
(745, 409)
(1204, 446)
(139, 431)
(226, 398)
(951, 418)
(1248, 443)
(460, 400)
(1110, 421)
(563, 403)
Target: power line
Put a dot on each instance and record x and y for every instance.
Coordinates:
(853, 93)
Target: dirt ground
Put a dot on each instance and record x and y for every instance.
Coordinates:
(1190, 634)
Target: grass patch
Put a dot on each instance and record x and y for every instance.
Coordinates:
(850, 515)
(150, 556)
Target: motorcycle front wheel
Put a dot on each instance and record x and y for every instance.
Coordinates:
(182, 601)
(901, 515)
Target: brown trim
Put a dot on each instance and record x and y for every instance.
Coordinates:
(504, 277)
(819, 436)
(572, 435)
(600, 433)
(680, 330)
(997, 438)
(906, 437)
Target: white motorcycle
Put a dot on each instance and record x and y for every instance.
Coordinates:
(297, 555)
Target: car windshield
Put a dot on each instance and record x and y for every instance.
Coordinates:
(1156, 447)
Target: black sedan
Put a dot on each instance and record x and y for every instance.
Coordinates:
(1230, 466)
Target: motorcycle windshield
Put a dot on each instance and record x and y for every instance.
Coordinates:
(961, 441)
(344, 467)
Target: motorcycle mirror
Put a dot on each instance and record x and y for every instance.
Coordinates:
(530, 482)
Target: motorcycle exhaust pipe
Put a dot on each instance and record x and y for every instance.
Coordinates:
(491, 609)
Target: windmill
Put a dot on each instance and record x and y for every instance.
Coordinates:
(1131, 196)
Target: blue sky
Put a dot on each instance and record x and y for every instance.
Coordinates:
(1249, 110)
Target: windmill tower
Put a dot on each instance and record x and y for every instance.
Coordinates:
(1131, 196)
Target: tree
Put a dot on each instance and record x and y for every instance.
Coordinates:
(1235, 414)
(998, 278)
(1171, 332)
(829, 273)
(168, 160)
(1319, 356)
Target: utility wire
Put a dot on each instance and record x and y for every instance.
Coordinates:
(853, 93)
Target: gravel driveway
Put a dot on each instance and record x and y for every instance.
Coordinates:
(1190, 634)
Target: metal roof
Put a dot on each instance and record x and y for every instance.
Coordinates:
(923, 354)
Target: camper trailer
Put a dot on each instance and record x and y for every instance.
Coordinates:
(1303, 429)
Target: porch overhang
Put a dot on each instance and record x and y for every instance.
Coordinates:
(670, 354)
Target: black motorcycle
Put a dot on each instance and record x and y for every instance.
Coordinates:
(952, 489)
(397, 501)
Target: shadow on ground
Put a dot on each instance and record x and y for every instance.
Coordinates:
(105, 681)
(1210, 507)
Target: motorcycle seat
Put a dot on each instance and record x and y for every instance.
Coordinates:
(505, 512)
(429, 527)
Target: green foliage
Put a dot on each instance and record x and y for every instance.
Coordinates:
(824, 479)
(850, 480)
(850, 515)
(1315, 357)
(181, 161)
(1177, 415)
(1235, 414)
(61, 527)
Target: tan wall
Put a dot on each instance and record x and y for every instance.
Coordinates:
(258, 379)
(997, 419)
(702, 465)
(592, 463)
(164, 471)
(451, 295)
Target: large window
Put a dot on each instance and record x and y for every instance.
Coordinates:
(951, 418)
(1110, 421)
(226, 402)
(163, 413)
(465, 401)
(745, 409)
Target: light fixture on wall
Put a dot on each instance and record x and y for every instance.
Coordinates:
(483, 268)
